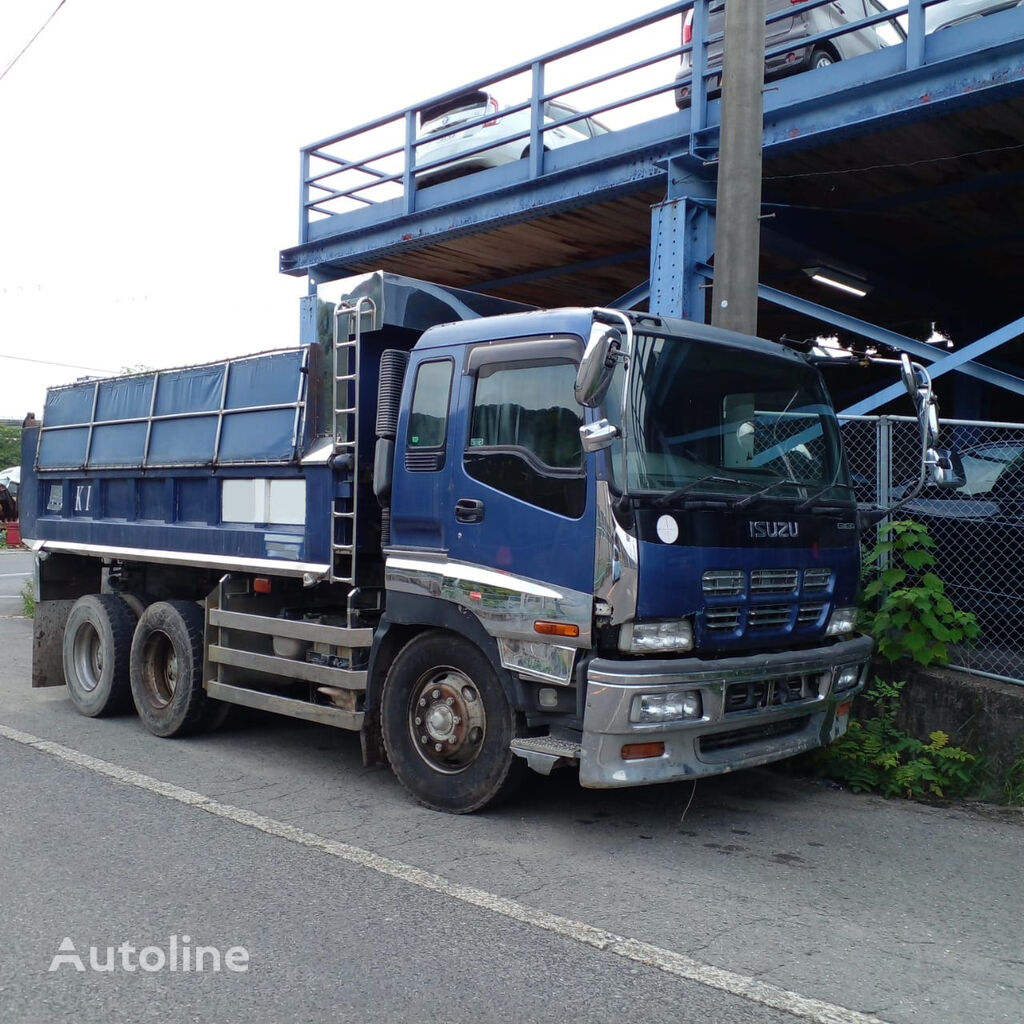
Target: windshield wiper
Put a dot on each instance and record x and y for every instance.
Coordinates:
(686, 488)
(808, 502)
(743, 502)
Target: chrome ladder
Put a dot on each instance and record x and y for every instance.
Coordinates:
(345, 430)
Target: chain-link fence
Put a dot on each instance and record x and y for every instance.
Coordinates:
(978, 529)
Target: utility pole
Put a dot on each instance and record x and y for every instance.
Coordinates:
(737, 223)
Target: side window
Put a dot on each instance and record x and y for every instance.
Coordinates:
(525, 434)
(428, 417)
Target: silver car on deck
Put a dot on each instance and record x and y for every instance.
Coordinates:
(792, 32)
(442, 120)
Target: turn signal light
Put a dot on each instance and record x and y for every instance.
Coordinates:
(555, 628)
(639, 751)
(261, 585)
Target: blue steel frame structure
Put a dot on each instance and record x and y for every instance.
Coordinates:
(355, 210)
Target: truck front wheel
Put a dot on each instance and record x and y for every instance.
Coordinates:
(447, 725)
(95, 647)
(167, 668)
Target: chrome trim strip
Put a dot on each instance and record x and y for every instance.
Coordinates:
(227, 563)
(506, 605)
(616, 561)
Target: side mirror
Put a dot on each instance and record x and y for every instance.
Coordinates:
(597, 436)
(945, 468)
(597, 365)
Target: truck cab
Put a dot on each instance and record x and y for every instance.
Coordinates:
(672, 602)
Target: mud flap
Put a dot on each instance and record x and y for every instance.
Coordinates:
(47, 642)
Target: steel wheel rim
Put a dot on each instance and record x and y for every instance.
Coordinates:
(447, 721)
(87, 655)
(160, 669)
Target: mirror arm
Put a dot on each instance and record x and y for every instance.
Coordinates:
(616, 315)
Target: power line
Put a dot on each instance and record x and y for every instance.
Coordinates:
(39, 32)
(48, 362)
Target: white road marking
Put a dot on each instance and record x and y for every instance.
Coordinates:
(665, 960)
(8, 575)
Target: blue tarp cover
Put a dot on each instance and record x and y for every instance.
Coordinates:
(121, 422)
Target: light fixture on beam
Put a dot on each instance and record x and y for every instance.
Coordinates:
(839, 279)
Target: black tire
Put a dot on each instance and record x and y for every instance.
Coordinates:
(820, 59)
(447, 725)
(95, 647)
(167, 669)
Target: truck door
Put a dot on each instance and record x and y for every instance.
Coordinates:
(522, 502)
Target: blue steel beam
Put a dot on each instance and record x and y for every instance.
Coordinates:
(682, 241)
(957, 361)
(898, 341)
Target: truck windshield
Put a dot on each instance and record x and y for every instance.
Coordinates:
(707, 418)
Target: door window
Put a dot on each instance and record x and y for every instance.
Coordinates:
(428, 416)
(525, 434)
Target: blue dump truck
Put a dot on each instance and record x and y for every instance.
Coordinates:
(484, 537)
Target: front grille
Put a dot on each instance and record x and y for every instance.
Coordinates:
(723, 581)
(809, 614)
(778, 580)
(769, 616)
(722, 619)
(763, 693)
(817, 579)
(753, 734)
(786, 613)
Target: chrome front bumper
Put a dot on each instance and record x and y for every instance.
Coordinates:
(722, 739)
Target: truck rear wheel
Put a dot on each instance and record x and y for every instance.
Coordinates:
(447, 725)
(95, 648)
(167, 669)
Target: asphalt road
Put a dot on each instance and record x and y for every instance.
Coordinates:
(752, 898)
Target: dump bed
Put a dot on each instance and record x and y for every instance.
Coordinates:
(215, 465)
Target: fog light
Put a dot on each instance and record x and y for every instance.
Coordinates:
(674, 706)
(847, 677)
(843, 620)
(547, 697)
(652, 637)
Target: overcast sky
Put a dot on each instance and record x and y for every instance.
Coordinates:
(151, 159)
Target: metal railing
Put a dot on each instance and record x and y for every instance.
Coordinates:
(978, 530)
(379, 161)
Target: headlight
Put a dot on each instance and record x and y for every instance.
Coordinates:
(843, 620)
(666, 707)
(848, 677)
(651, 637)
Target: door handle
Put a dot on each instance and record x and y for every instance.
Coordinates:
(469, 510)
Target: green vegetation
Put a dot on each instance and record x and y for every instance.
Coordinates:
(1013, 783)
(876, 755)
(28, 599)
(10, 446)
(904, 607)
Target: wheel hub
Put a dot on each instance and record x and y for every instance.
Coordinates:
(447, 720)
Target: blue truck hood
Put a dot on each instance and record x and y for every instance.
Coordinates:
(750, 578)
